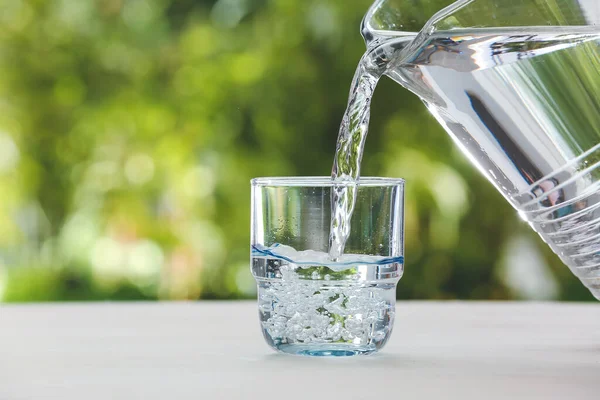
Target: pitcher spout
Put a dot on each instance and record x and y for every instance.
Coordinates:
(387, 19)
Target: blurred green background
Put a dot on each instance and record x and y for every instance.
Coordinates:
(129, 131)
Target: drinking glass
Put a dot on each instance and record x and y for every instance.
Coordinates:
(308, 303)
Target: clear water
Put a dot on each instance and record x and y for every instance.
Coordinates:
(523, 105)
(309, 305)
(352, 135)
(348, 155)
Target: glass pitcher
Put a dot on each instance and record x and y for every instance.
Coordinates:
(516, 84)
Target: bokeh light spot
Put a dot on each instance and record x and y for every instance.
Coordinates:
(145, 262)
(108, 257)
(199, 182)
(9, 153)
(247, 68)
(138, 14)
(245, 281)
(139, 169)
(78, 236)
(229, 13)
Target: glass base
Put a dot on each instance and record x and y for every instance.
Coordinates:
(326, 318)
(326, 350)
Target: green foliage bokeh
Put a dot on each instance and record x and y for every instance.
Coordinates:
(129, 131)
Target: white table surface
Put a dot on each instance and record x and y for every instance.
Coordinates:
(214, 350)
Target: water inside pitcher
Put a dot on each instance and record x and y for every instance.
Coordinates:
(516, 84)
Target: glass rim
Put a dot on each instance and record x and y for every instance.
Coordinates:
(324, 181)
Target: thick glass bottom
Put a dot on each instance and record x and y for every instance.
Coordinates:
(326, 350)
(320, 318)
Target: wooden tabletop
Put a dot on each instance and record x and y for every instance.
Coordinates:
(214, 350)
